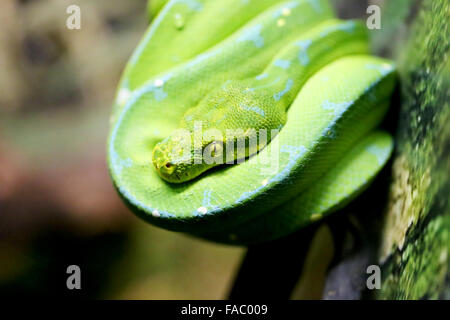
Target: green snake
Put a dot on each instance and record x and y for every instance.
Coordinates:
(294, 84)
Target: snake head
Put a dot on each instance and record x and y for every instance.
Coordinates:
(178, 159)
(187, 153)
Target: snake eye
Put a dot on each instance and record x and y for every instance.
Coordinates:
(168, 168)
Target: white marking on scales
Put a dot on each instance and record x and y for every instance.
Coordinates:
(284, 64)
(279, 95)
(303, 54)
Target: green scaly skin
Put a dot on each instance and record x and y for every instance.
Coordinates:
(257, 103)
(285, 65)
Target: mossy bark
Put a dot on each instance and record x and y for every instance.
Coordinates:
(415, 241)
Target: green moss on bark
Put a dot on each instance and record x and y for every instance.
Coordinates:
(415, 241)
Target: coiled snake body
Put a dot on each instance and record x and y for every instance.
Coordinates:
(287, 67)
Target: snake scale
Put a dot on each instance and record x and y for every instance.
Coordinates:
(289, 68)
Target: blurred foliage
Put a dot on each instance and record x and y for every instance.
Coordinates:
(57, 203)
(396, 18)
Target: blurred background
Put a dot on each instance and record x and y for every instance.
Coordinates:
(57, 203)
